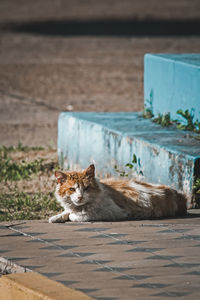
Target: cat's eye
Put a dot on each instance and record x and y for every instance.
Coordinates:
(86, 188)
(72, 189)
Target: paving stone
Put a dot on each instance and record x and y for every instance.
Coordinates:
(126, 260)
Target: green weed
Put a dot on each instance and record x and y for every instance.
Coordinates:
(190, 125)
(164, 120)
(20, 206)
(18, 148)
(10, 170)
(197, 126)
(13, 171)
(188, 116)
(134, 166)
(196, 186)
(133, 162)
(148, 107)
(26, 188)
(121, 173)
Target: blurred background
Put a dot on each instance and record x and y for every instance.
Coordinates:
(81, 55)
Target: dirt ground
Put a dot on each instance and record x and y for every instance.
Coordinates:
(58, 55)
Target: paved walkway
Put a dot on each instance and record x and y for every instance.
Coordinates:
(156, 259)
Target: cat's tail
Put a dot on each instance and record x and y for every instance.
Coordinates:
(170, 203)
(158, 201)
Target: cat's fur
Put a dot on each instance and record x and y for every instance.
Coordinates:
(85, 198)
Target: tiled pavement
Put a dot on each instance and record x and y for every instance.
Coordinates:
(157, 259)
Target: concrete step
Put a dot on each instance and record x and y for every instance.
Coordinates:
(172, 82)
(164, 155)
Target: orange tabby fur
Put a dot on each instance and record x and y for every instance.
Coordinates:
(84, 198)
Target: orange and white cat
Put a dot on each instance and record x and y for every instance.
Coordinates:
(85, 198)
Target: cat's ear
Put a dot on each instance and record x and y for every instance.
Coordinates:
(90, 171)
(60, 176)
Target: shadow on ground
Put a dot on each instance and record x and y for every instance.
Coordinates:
(109, 27)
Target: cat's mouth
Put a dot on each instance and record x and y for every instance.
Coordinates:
(80, 202)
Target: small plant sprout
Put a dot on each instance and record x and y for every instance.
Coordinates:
(121, 173)
(133, 162)
(164, 120)
(196, 186)
(134, 165)
(148, 107)
(188, 117)
(187, 122)
(197, 126)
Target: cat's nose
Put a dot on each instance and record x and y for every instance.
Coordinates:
(80, 198)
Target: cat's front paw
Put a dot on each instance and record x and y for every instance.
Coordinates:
(53, 219)
(78, 217)
(61, 218)
(74, 217)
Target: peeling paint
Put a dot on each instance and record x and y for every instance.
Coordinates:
(155, 151)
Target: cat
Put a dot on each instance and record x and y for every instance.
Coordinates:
(85, 198)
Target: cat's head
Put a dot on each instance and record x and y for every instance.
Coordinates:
(76, 186)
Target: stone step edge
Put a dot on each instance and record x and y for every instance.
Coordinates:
(25, 284)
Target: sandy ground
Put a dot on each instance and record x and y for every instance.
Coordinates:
(90, 65)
